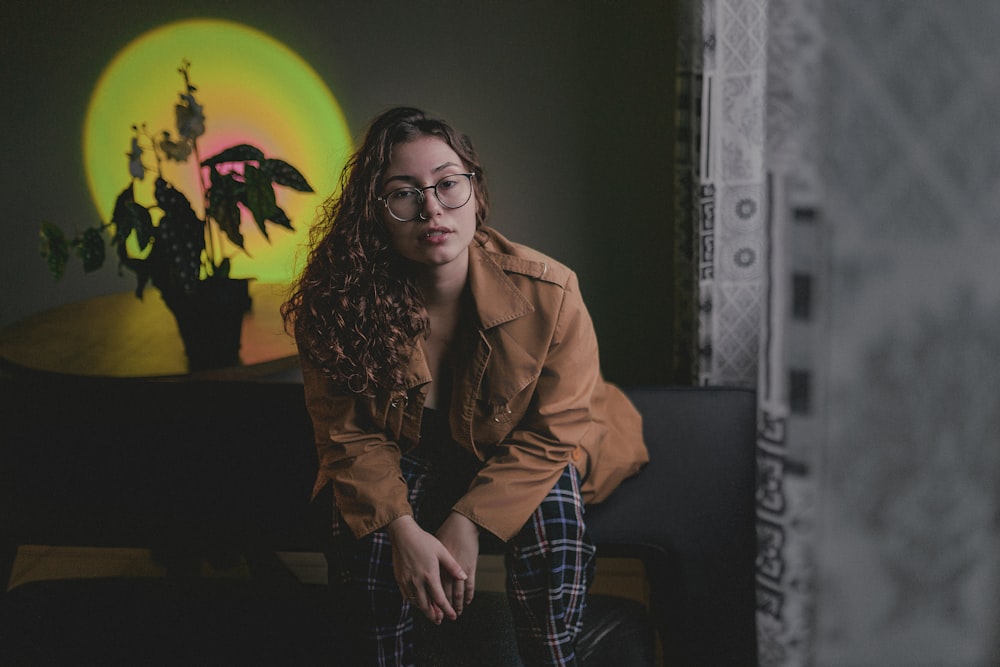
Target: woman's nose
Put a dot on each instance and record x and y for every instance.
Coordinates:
(430, 205)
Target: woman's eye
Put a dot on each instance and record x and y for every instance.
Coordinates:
(403, 195)
(447, 183)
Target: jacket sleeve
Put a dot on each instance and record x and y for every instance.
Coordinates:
(360, 462)
(527, 464)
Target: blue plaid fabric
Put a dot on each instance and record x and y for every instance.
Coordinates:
(550, 564)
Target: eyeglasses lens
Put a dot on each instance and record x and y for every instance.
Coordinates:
(453, 191)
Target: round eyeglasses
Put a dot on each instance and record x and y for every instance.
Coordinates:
(406, 204)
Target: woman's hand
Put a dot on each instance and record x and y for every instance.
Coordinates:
(420, 562)
(460, 536)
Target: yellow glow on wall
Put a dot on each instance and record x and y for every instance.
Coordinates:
(254, 90)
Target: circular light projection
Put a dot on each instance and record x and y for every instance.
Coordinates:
(254, 90)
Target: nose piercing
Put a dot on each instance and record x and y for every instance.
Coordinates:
(421, 215)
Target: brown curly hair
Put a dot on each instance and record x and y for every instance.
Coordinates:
(355, 310)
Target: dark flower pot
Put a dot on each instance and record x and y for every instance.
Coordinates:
(210, 321)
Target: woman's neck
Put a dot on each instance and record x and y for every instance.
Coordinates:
(443, 300)
(441, 290)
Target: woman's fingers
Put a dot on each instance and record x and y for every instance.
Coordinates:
(457, 596)
(440, 601)
(460, 536)
(424, 568)
(449, 587)
(470, 588)
(422, 601)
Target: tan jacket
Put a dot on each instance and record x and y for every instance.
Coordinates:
(530, 400)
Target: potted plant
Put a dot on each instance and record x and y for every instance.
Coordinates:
(169, 244)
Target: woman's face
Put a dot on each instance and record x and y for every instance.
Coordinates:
(441, 242)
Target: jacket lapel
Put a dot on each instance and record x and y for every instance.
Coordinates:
(501, 366)
(497, 298)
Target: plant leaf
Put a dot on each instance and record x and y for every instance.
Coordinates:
(178, 151)
(239, 153)
(135, 166)
(123, 218)
(144, 229)
(279, 217)
(285, 174)
(222, 270)
(190, 117)
(141, 274)
(175, 260)
(223, 200)
(54, 248)
(260, 197)
(90, 249)
(131, 216)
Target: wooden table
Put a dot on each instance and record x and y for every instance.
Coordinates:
(120, 336)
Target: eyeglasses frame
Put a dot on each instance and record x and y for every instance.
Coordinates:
(423, 198)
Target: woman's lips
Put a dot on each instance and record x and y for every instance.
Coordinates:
(435, 235)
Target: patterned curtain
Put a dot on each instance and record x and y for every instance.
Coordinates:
(909, 551)
(792, 374)
(752, 187)
(730, 190)
(844, 248)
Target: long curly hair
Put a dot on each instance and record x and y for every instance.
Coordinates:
(355, 310)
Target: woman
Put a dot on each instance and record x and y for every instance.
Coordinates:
(453, 381)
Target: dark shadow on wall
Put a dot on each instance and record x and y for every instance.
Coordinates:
(627, 133)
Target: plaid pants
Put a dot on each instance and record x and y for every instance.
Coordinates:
(550, 564)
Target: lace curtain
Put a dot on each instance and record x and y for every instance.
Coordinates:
(840, 210)
(726, 234)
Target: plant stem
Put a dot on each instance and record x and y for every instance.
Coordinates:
(210, 233)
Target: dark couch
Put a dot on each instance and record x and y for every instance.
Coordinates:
(222, 471)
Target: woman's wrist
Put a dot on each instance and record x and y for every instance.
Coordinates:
(401, 524)
(465, 522)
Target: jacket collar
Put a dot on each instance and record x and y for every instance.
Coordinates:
(497, 298)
